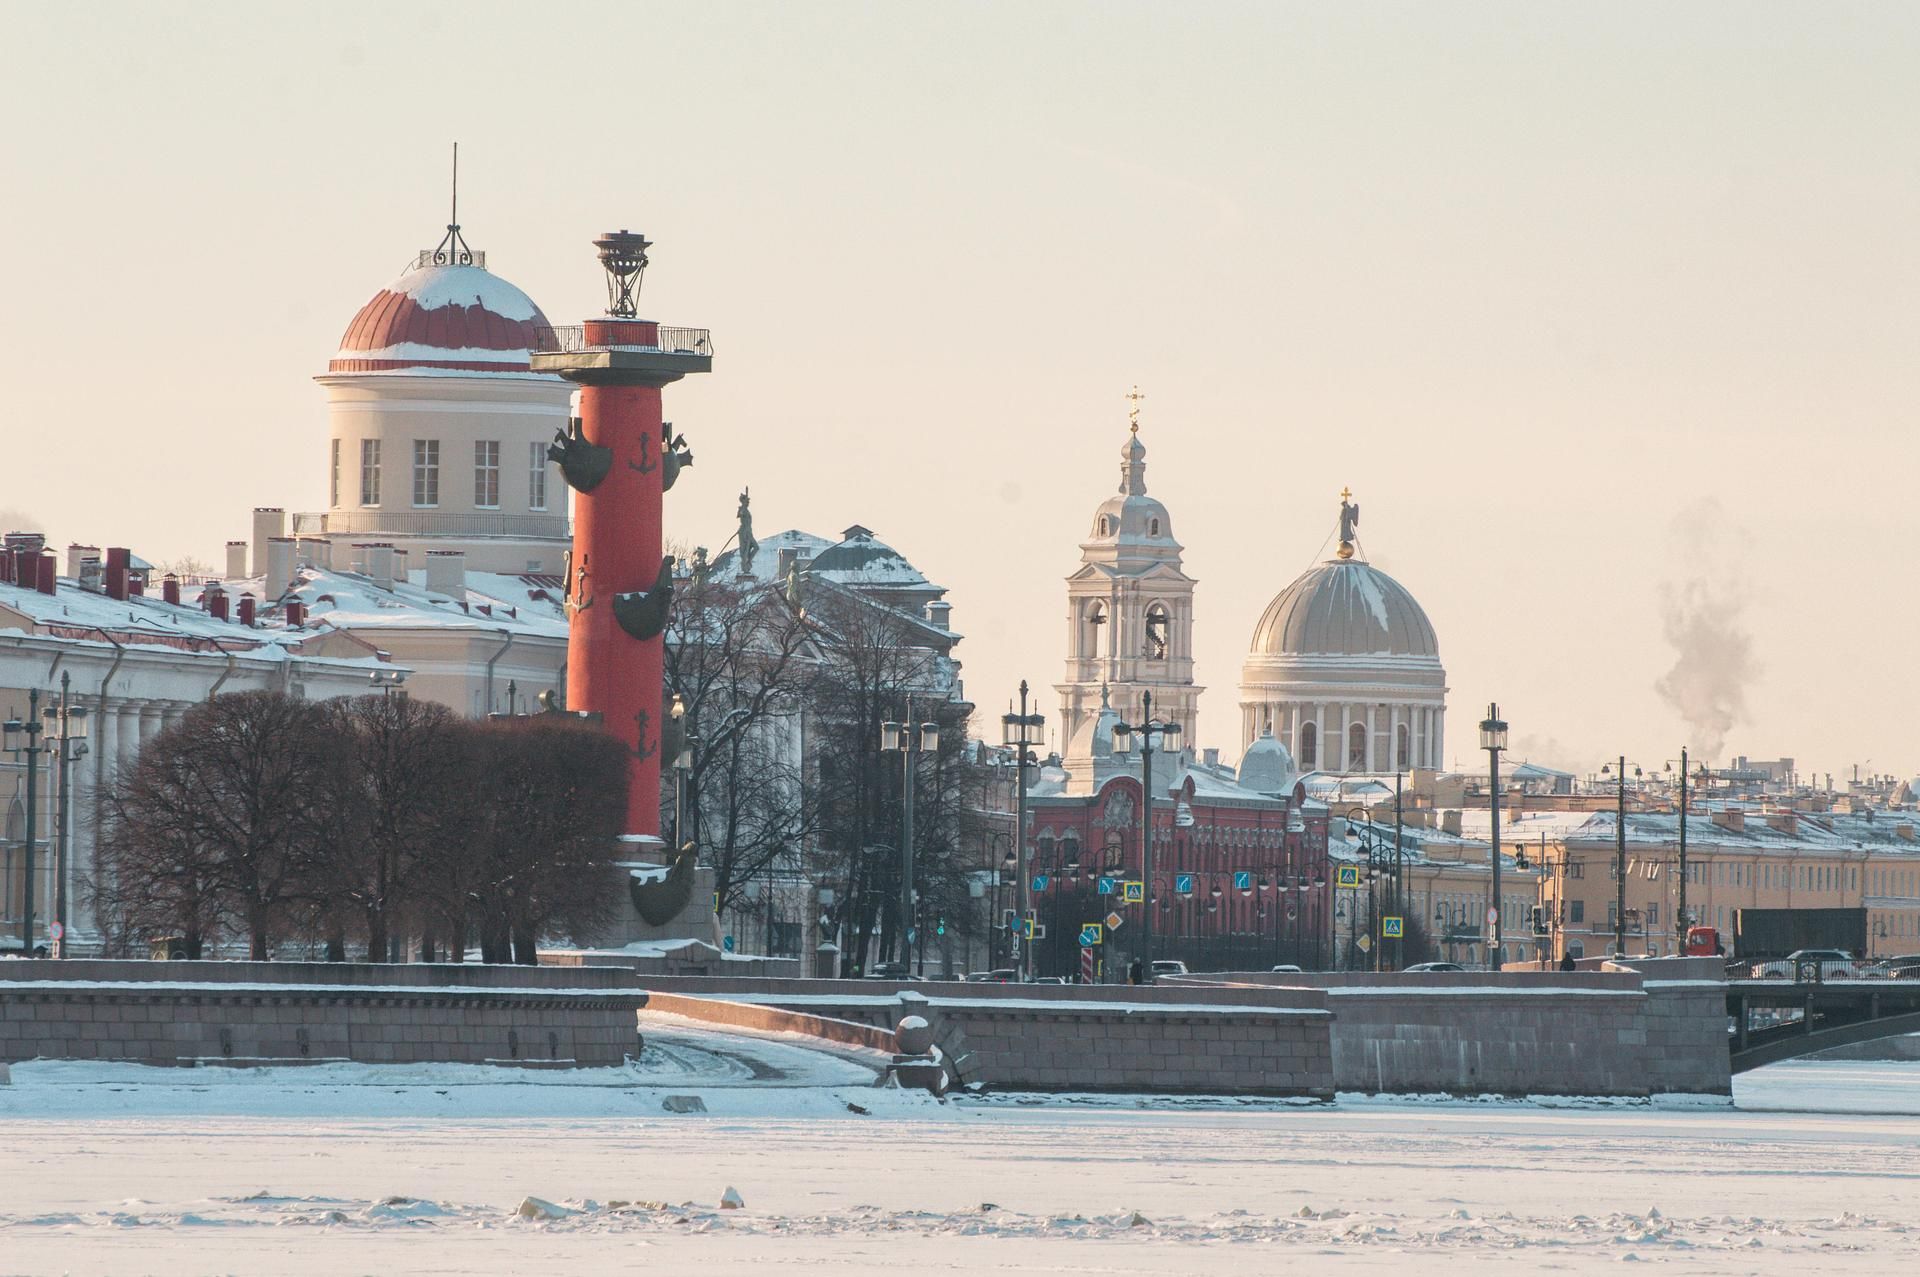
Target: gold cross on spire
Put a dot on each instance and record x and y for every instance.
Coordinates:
(1133, 413)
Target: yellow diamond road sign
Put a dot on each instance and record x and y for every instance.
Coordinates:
(1347, 876)
(1113, 921)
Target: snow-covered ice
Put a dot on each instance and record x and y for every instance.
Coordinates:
(443, 1169)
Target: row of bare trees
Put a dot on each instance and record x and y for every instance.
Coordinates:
(380, 823)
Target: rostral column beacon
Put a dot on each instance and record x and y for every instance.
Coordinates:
(620, 459)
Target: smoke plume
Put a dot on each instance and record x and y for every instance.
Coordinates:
(1703, 616)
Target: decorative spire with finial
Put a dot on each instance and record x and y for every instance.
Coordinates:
(453, 250)
(1349, 520)
(1133, 457)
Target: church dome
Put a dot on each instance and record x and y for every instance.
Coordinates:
(861, 557)
(1345, 607)
(1267, 767)
(1093, 739)
(444, 318)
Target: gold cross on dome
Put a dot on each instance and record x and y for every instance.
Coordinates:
(1133, 413)
(1345, 493)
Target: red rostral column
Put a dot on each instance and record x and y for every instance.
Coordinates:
(617, 457)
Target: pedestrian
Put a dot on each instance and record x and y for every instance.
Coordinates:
(1568, 964)
(1136, 972)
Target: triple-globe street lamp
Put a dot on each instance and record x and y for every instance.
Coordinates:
(1147, 730)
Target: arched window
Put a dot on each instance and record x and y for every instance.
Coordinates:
(1104, 527)
(1156, 632)
(1403, 747)
(1309, 745)
(1153, 528)
(1096, 621)
(1357, 747)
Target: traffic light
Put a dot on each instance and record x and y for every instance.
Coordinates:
(940, 926)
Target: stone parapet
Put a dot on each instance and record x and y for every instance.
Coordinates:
(186, 1013)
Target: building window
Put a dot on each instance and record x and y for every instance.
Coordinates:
(1103, 527)
(1153, 528)
(333, 491)
(1357, 747)
(1309, 742)
(1156, 633)
(426, 472)
(1096, 621)
(486, 474)
(1577, 910)
(536, 475)
(369, 472)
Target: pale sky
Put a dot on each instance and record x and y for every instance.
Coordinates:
(1536, 280)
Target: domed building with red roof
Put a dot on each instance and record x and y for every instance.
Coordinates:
(438, 426)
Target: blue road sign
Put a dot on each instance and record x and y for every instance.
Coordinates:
(913, 934)
(726, 943)
(1183, 883)
(1242, 881)
(1089, 934)
(1039, 882)
(1103, 885)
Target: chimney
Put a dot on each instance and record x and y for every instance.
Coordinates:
(280, 570)
(269, 521)
(78, 554)
(136, 587)
(90, 573)
(1731, 819)
(46, 571)
(315, 552)
(1450, 821)
(447, 573)
(940, 614)
(296, 614)
(118, 576)
(32, 542)
(214, 600)
(170, 589)
(1783, 822)
(400, 568)
(246, 610)
(377, 562)
(1903, 831)
(1210, 756)
(236, 560)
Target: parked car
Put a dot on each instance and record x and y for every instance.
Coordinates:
(1169, 966)
(889, 971)
(1288, 968)
(1049, 979)
(1834, 964)
(1436, 966)
(1885, 968)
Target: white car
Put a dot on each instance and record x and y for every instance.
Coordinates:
(1169, 966)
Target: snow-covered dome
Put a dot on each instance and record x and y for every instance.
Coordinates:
(863, 558)
(1267, 767)
(1094, 737)
(1131, 517)
(1344, 607)
(451, 318)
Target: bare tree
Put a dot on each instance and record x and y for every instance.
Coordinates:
(552, 796)
(398, 771)
(215, 820)
(739, 658)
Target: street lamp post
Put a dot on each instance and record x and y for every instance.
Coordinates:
(910, 740)
(67, 726)
(24, 738)
(1020, 733)
(1123, 737)
(1493, 739)
(682, 768)
(1620, 859)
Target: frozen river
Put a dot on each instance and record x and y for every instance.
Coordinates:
(1815, 1169)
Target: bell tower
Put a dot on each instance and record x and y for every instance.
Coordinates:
(1129, 607)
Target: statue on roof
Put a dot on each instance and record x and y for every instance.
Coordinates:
(1349, 520)
(748, 545)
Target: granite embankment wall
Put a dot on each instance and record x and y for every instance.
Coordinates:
(186, 1013)
(1068, 1038)
(1619, 1031)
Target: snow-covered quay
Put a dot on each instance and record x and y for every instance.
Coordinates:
(453, 1169)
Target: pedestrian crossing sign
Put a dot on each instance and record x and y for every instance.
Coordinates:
(1347, 876)
(1392, 928)
(1134, 892)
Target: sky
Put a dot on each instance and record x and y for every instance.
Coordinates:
(1604, 312)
